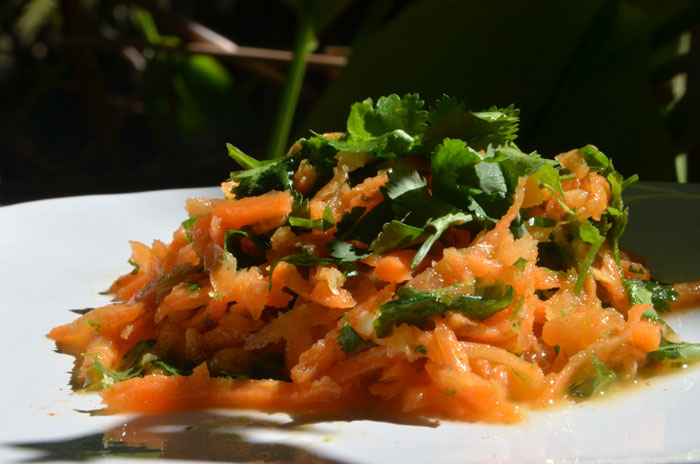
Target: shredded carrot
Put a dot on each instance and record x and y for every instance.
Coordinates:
(282, 300)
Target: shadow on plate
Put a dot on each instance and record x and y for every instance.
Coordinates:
(202, 436)
(198, 436)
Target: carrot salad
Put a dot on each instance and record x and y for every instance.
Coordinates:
(419, 263)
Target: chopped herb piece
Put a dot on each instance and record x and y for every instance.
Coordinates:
(188, 223)
(349, 270)
(350, 341)
(171, 370)
(396, 235)
(439, 225)
(136, 268)
(301, 259)
(325, 223)
(543, 222)
(421, 349)
(548, 176)
(415, 307)
(448, 118)
(241, 158)
(268, 175)
(346, 252)
(391, 113)
(134, 364)
(232, 243)
(601, 378)
(675, 352)
(596, 240)
(521, 263)
(207, 322)
(649, 292)
(594, 158)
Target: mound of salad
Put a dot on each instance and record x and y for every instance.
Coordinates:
(417, 264)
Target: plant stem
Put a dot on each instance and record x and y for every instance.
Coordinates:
(305, 38)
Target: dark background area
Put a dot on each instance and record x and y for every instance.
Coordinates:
(111, 96)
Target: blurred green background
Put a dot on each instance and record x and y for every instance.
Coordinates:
(111, 96)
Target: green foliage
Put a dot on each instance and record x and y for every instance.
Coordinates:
(346, 252)
(350, 341)
(245, 161)
(134, 364)
(390, 114)
(675, 352)
(232, 244)
(325, 223)
(595, 382)
(650, 292)
(415, 307)
(449, 119)
(272, 175)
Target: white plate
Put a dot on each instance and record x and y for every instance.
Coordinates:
(59, 254)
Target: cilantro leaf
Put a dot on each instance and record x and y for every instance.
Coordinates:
(136, 266)
(520, 263)
(93, 324)
(448, 162)
(675, 352)
(448, 118)
(397, 141)
(317, 151)
(349, 220)
(587, 233)
(516, 164)
(549, 176)
(188, 223)
(601, 378)
(642, 292)
(273, 175)
(650, 292)
(595, 159)
(408, 215)
(415, 307)
(396, 235)
(390, 113)
(617, 214)
(134, 364)
(484, 186)
(542, 222)
(350, 341)
(245, 161)
(440, 225)
(356, 225)
(410, 199)
(304, 258)
(346, 252)
(232, 244)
